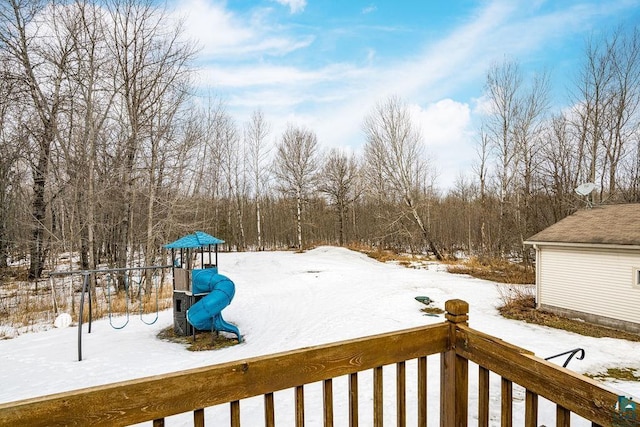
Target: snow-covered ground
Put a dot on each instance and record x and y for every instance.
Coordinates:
(287, 300)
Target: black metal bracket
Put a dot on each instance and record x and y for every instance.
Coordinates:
(571, 354)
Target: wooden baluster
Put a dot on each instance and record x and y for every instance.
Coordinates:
(401, 387)
(377, 397)
(483, 397)
(506, 417)
(563, 417)
(328, 402)
(422, 391)
(235, 413)
(269, 411)
(300, 406)
(198, 418)
(531, 409)
(353, 400)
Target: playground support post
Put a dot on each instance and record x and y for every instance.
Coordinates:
(85, 288)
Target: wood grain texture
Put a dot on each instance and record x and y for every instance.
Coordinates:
(161, 396)
(570, 390)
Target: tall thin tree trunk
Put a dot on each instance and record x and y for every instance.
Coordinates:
(299, 218)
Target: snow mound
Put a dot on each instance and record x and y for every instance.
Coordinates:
(62, 321)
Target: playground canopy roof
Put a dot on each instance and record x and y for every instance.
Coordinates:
(196, 240)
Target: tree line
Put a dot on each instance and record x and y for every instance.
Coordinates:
(106, 152)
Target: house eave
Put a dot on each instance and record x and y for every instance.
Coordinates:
(610, 246)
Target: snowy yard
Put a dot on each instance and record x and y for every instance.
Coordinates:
(287, 300)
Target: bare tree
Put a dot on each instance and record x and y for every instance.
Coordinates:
(622, 113)
(396, 164)
(295, 168)
(481, 170)
(503, 87)
(560, 167)
(338, 180)
(39, 50)
(590, 104)
(255, 137)
(232, 165)
(151, 61)
(528, 133)
(12, 143)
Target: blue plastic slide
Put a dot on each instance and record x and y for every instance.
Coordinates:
(206, 313)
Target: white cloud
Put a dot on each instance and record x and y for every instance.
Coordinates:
(213, 26)
(282, 77)
(443, 123)
(369, 9)
(223, 34)
(333, 98)
(295, 6)
(448, 135)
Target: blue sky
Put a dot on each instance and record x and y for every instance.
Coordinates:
(325, 64)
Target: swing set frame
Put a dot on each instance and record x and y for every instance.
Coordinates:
(86, 291)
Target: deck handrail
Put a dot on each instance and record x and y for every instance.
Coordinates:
(157, 397)
(160, 396)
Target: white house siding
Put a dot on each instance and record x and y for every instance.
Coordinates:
(593, 281)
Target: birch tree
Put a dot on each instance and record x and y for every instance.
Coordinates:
(395, 160)
(502, 88)
(295, 169)
(255, 137)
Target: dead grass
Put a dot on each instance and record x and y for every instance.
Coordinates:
(519, 305)
(432, 310)
(204, 340)
(517, 294)
(26, 307)
(10, 274)
(494, 269)
(388, 255)
(622, 374)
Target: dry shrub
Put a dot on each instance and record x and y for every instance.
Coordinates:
(10, 274)
(204, 340)
(121, 302)
(517, 294)
(518, 303)
(494, 269)
(23, 308)
(516, 299)
(388, 255)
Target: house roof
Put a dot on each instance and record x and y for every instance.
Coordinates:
(196, 240)
(607, 224)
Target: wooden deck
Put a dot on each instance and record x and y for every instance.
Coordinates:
(458, 347)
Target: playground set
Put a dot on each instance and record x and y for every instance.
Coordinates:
(199, 294)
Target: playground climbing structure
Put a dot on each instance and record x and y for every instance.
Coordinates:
(199, 294)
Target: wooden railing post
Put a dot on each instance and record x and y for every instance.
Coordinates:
(454, 370)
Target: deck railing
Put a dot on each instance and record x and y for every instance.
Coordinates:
(191, 391)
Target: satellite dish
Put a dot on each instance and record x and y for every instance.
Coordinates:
(585, 189)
